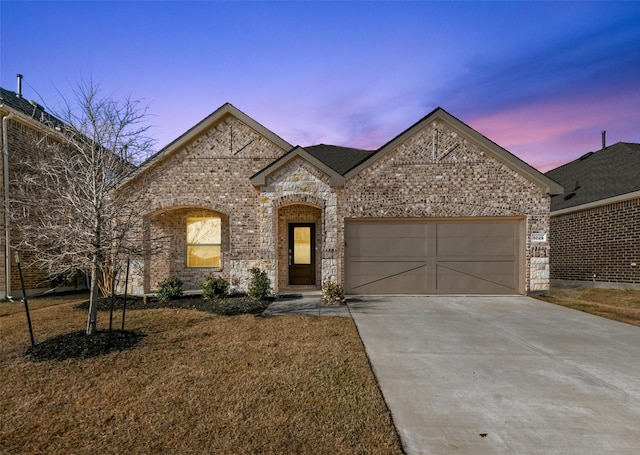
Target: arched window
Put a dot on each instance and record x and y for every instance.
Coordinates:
(204, 235)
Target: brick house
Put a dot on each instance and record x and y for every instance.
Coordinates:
(438, 209)
(595, 224)
(23, 123)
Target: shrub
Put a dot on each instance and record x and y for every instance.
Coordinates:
(170, 288)
(215, 288)
(260, 285)
(332, 293)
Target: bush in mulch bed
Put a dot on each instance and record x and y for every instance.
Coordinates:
(79, 345)
(229, 306)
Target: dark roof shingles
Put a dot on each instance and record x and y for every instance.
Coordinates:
(340, 159)
(28, 108)
(600, 175)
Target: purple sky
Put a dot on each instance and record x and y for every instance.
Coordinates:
(542, 79)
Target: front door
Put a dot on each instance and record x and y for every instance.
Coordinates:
(302, 254)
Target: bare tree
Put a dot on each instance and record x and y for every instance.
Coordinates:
(64, 204)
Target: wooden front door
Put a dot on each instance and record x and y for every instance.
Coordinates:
(302, 253)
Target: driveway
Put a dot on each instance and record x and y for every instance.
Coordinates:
(503, 375)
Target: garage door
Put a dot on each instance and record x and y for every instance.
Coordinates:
(433, 257)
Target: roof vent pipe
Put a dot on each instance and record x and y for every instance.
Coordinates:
(604, 139)
(19, 94)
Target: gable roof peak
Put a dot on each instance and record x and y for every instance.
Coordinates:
(195, 131)
(501, 154)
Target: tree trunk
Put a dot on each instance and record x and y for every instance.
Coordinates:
(93, 298)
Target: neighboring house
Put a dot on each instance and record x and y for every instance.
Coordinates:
(23, 121)
(595, 224)
(440, 209)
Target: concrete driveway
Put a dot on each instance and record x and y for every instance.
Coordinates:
(503, 375)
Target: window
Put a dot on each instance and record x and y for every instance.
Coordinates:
(302, 245)
(203, 241)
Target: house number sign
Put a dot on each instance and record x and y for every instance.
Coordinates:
(538, 237)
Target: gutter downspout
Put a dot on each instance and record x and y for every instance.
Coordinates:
(7, 230)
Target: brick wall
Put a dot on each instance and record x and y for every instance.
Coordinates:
(412, 182)
(20, 139)
(602, 241)
(169, 256)
(408, 182)
(210, 173)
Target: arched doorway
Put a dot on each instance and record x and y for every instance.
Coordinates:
(299, 247)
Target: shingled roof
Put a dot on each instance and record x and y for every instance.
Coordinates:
(340, 159)
(27, 107)
(595, 176)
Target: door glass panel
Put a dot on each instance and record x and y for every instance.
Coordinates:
(302, 245)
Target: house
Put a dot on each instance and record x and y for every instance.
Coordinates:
(22, 123)
(595, 223)
(439, 209)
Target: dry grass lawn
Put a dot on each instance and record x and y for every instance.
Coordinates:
(197, 383)
(619, 305)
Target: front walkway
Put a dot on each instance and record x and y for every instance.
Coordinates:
(307, 303)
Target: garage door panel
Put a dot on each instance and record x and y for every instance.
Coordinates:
(385, 230)
(482, 246)
(379, 247)
(482, 270)
(478, 276)
(383, 268)
(475, 258)
(388, 284)
(476, 279)
(463, 284)
(474, 229)
(381, 276)
(395, 285)
(465, 257)
(491, 239)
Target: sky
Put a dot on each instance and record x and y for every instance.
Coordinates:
(541, 79)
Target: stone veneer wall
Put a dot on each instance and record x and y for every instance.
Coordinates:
(603, 241)
(427, 176)
(297, 213)
(419, 179)
(299, 183)
(211, 172)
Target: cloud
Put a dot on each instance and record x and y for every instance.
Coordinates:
(551, 132)
(589, 61)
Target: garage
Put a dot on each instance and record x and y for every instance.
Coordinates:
(470, 256)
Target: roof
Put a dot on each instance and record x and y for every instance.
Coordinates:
(203, 125)
(507, 158)
(595, 176)
(27, 107)
(298, 152)
(340, 159)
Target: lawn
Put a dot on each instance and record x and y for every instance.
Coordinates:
(197, 382)
(616, 304)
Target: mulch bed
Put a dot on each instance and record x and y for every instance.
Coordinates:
(79, 345)
(230, 306)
